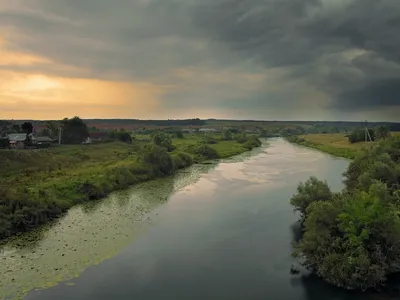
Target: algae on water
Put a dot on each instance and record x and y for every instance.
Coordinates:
(85, 236)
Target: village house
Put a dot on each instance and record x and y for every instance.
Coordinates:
(44, 141)
(207, 130)
(96, 136)
(17, 140)
(190, 130)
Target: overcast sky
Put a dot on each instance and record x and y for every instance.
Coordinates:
(238, 59)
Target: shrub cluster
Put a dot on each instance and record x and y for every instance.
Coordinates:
(352, 238)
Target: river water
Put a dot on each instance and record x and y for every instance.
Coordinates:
(218, 231)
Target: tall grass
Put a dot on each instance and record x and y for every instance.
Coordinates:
(39, 185)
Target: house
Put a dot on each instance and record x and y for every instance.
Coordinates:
(44, 141)
(96, 136)
(17, 140)
(207, 130)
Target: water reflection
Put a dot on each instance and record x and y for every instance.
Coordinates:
(85, 236)
(230, 241)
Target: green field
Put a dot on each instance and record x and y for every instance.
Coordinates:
(333, 143)
(39, 185)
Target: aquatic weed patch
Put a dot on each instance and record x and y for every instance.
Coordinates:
(87, 235)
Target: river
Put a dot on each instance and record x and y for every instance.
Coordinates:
(218, 231)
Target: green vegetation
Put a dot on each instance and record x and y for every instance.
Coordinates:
(4, 142)
(39, 185)
(335, 144)
(74, 131)
(358, 135)
(352, 238)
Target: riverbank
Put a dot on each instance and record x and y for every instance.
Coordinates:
(335, 144)
(217, 224)
(37, 186)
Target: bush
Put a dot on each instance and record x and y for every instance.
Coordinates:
(227, 135)
(182, 160)
(251, 143)
(359, 135)
(209, 140)
(4, 143)
(241, 138)
(161, 139)
(206, 151)
(159, 160)
(352, 242)
(312, 190)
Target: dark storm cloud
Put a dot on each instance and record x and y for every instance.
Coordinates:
(315, 38)
(332, 54)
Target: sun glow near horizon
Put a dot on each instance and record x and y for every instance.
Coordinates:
(34, 94)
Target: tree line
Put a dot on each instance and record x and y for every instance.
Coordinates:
(370, 134)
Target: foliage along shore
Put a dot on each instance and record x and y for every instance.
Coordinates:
(351, 239)
(37, 186)
(345, 152)
(345, 145)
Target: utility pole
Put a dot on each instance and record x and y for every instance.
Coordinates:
(367, 135)
(59, 134)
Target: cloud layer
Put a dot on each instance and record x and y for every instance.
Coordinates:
(264, 59)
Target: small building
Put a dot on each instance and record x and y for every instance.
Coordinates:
(44, 141)
(96, 136)
(17, 140)
(207, 130)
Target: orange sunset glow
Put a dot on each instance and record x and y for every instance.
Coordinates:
(52, 97)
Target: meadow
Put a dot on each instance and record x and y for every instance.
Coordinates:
(39, 185)
(335, 144)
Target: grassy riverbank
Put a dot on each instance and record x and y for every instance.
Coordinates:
(335, 144)
(39, 185)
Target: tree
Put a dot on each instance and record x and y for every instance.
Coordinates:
(227, 135)
(157, 158)
(163, 140)
(74, 131)
(27, 127)
(359, 135)
(352, 238)
(241, 137)
(53, 128)
(16, 128)
(382, 132)
(124, 136)
(352, 242)
(312, 190)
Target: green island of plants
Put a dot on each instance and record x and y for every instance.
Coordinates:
(352, 238)
(38, 185)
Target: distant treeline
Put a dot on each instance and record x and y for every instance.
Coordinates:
(339, 125)
(186, 122)
(312, 126)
